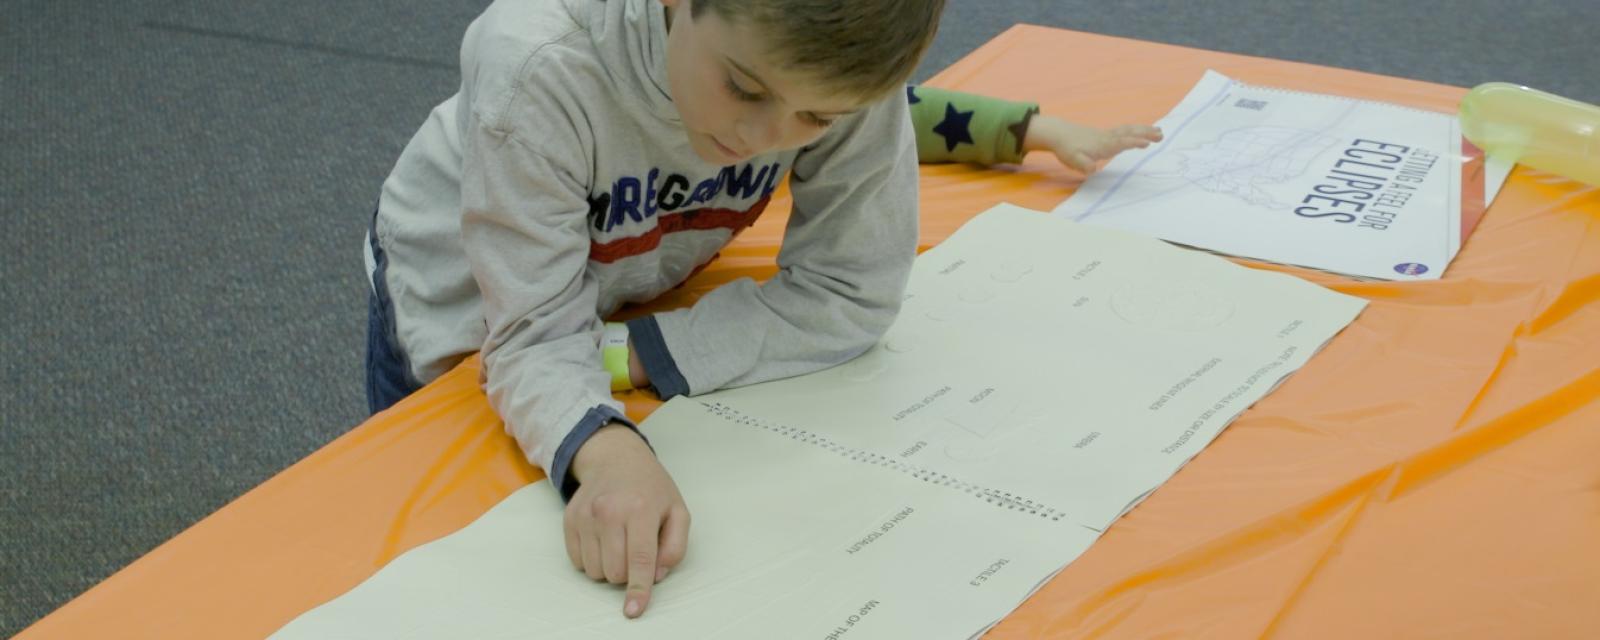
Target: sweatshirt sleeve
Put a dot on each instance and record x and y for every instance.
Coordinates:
(524, 230)
(953, 126)
(846, 256)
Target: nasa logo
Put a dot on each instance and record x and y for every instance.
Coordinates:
(1411, 269)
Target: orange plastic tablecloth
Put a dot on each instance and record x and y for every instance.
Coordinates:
(1435, 472)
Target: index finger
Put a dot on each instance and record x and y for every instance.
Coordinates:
(1141, 131)
(642, 534)
(1134, 142)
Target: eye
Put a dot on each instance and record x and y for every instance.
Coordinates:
(816, 120)
(741, 94)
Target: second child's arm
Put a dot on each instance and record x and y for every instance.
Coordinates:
(1083, 147)
(955, 126)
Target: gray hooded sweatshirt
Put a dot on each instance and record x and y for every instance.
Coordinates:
(558, 184)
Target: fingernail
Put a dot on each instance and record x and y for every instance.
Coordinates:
(632, 610)
(661, 574)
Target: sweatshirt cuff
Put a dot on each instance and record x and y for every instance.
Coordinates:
(561, 469)
(658, 363)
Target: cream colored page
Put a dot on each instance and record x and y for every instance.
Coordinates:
(1071, 367)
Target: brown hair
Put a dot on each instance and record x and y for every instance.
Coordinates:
(860, 48)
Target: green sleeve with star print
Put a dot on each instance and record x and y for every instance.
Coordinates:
(953, 126)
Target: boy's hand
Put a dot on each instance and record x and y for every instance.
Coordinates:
(626, 523)
(1084, 148)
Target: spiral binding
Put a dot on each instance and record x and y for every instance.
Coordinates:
(1000, 499)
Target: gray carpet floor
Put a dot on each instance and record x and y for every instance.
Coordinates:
(185, 187)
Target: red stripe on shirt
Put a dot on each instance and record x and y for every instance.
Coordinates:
(695, 220)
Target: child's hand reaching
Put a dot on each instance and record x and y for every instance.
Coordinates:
(626, 524)
(1084, 148)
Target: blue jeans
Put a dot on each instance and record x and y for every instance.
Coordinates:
(389, 378)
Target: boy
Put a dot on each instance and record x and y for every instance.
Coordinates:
(598, 153)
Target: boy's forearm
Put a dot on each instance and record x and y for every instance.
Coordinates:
(847, 253)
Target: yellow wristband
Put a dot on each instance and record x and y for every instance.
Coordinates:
(614, 354)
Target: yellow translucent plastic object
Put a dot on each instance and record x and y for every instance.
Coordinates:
(1534, 128)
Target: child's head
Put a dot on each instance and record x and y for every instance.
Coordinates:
(753, 76)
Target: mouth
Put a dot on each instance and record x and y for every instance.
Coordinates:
(727, 150)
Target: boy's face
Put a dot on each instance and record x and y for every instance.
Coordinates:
(735, 101)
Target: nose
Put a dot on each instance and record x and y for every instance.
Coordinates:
(760, 131)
